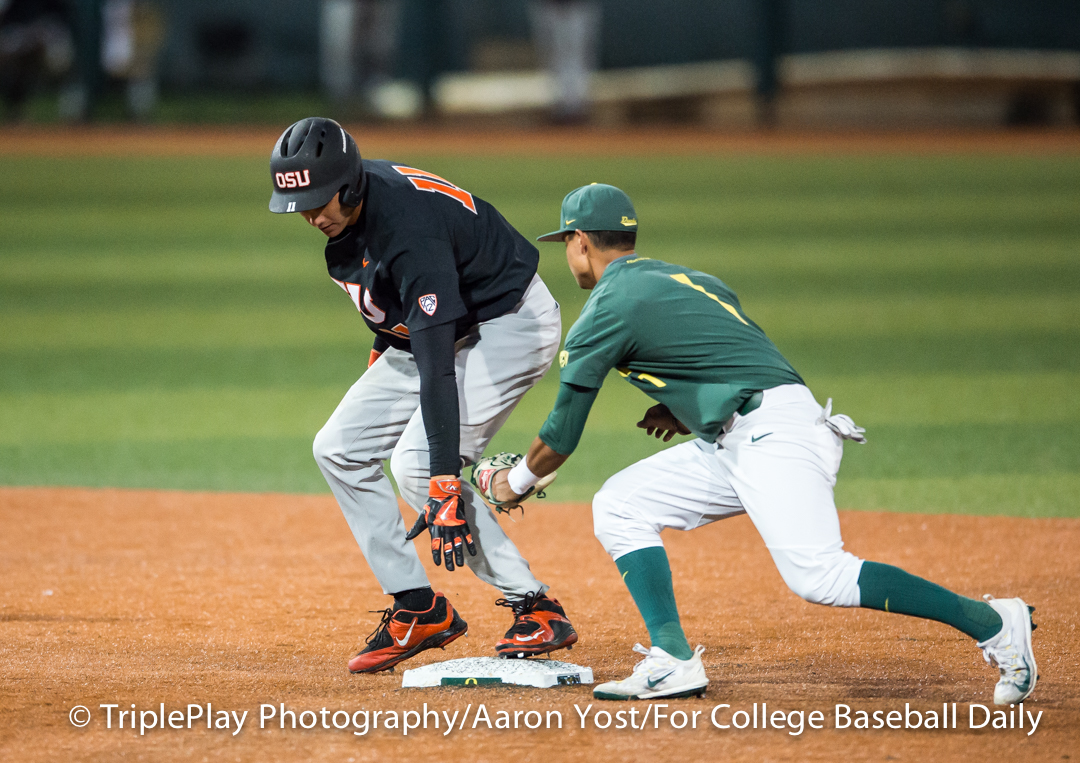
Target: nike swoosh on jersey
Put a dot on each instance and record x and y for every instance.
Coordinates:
(403, 641)
(533, 637)
(755, 439)
(570, 221)
(366, 261)
(653, 682)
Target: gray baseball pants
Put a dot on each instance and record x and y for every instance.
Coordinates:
(379, 419)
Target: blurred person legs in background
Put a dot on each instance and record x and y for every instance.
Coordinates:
(35, 46)
(118, 43)
(358, 52)
(132, 32)
(377, 51)
(567, 34)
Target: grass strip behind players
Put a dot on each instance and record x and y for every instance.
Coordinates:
(162, 329)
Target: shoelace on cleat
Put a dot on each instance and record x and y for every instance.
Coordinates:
(1006, 659)
(522, 607)
(652, 663)
(383, 625)
(1000, 657)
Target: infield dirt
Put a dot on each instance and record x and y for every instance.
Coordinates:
(133, 597)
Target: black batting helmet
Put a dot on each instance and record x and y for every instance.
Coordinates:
(314, 160)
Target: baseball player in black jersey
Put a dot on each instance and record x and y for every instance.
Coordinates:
(463, 328)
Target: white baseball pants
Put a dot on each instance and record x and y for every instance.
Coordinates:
(777, 464)
(379, 419)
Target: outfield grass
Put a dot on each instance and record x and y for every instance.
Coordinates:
(161, 329)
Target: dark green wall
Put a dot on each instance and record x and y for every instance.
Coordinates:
(280, 44)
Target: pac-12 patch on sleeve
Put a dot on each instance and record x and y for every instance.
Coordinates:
(428, 303)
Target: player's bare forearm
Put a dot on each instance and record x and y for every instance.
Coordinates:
(541, 461)
(661, 422)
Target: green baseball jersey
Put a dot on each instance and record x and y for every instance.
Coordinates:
(678, 335)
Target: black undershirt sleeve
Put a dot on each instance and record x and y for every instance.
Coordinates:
(433, 349)
(380, 345)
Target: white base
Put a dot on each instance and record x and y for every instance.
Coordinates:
(487, 671)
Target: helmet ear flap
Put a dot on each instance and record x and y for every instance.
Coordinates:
(352, 197)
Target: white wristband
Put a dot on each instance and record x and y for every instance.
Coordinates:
(521, 478)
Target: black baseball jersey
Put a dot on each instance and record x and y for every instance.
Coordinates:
(425, 252)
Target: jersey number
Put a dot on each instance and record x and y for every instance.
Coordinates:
(681, 278)
(361, 297)
(626, 373)
(425, 181)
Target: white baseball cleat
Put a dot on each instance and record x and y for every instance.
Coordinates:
(1011, 651)
(658, 675)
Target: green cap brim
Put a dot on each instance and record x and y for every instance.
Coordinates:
(556, 236)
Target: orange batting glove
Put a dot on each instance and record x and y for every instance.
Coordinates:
(444, 517)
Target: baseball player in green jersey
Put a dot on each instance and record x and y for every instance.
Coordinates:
(763, 446)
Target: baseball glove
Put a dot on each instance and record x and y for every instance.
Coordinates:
(483, 479)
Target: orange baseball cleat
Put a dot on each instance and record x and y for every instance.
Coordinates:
(540, 626)
(402, 634)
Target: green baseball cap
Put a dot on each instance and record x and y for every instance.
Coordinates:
(594, 207)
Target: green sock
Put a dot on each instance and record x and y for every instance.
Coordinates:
(648, 576)
(890, 589)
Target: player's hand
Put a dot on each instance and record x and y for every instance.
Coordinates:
(490, 477)
(660, 422)
(500, 488)
(444, 517)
